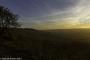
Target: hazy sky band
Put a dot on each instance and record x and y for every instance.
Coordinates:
(51, 14)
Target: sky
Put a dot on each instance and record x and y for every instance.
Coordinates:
(51, 14)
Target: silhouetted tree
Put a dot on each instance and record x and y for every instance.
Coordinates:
(7, 18)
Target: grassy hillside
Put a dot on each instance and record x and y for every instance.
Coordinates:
(30, 44)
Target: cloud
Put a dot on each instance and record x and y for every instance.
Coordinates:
(74, 17)
(51, 14)
(30, 8)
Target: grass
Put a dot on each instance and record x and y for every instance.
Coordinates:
(30, 44)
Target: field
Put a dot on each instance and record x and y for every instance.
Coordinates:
(60, 44)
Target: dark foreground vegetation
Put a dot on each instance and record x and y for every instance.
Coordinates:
(30, 44)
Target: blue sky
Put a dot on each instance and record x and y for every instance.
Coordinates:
(51, 14)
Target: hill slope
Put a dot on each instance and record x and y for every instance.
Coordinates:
(71, 44)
